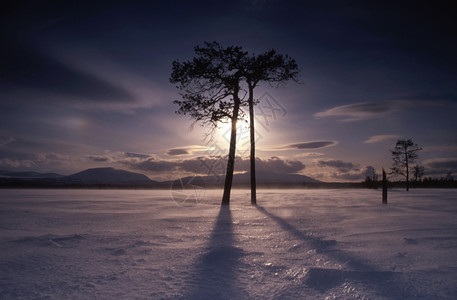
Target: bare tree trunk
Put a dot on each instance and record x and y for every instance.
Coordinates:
(407, 168)
(252, 136)
(384, 187)
(231, 157)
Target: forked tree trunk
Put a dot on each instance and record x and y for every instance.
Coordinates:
(252, 137)
(231, 156)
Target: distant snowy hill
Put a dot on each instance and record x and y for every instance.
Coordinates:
(118, 177)
(108, 176)
(26, 175)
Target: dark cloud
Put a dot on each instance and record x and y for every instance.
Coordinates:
(151, 165)
(216, 164)
(136, 155)
(303, 145)
(24, 67)
(190, 149)
(272, 164)
(340, 165)
(99, 158)
(440, 167)
(178, 151)
(355, 174)
(348, 176)
(310, 145)
(205, 165)
(278, 165)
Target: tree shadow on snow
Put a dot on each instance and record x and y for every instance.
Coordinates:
(322, 279)
(215, 272)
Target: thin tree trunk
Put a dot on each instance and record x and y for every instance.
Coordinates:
(384, 187)
(231, 157)
(252, 136)
(407, 168)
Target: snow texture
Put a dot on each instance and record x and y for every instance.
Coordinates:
(298, 244)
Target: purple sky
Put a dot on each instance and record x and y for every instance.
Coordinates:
(85, 84)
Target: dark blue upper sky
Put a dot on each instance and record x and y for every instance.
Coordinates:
(85, 84)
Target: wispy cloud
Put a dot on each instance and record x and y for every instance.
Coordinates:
(99, 158)
(303, 146)
(143, 92)
(136, 155)
(186, 150)
(440, 149)
(379, 109)
(6, 140)
(16, 163)
(381, 138)
(309, 154)
(80, 77)
(31, 68)
(340, 165)
(364, 110)
(440, 166)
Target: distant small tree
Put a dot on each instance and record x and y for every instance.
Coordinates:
(404, 154)
(418, 172)
(371, 182)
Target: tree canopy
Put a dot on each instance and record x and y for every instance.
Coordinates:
(218, 81)
(403, 155)
(210, 83)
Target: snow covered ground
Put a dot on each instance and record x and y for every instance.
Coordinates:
(298, 244)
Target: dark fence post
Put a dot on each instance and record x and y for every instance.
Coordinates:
(384, 187)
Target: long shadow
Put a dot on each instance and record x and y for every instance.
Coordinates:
(322, 279)
(215, 275)
(321, 245)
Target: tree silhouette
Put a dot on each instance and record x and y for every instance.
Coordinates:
(210, 85)
(404, 154)
(268, 67)
(418, 172)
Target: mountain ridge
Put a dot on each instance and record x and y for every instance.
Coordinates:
(108, 176)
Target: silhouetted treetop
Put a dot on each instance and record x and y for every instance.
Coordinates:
(209, 84)
(271, 67)
(403, 155)
(218, 81)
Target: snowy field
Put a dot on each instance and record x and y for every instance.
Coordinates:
(298, 244)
